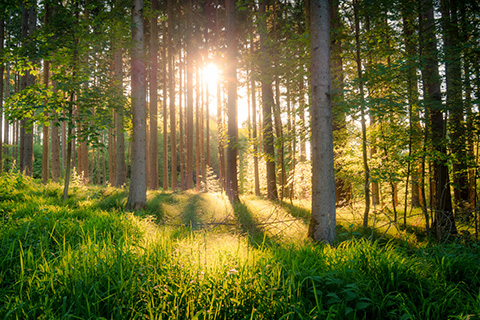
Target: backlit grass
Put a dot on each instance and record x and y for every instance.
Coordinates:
(193, 256)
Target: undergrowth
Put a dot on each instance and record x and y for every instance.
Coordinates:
(193, 256)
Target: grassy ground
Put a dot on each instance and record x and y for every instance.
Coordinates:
(193, 256)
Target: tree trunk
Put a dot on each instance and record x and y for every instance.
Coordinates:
(197, 125)
(152, 179)
(189, 106)
(45, 149)
(29, 17)
(342, 191)
(455, 106)
(323, 222)
(180, 123)
(231, 77)
(254, 125)
(444, 224)
(137, 197)
(120, 168)
(171, 97)
(6, 127)
(2, 36)
(267, 101)
(366, 168)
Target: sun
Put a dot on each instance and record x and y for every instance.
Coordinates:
(211, 74)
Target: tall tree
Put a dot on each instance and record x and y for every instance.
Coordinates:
(366, 168)
(322, 224)
(339, 120)
(189, 105)
(455, 104)
(2, 39)
(29, 22)
(444, 223)
(231, 77)
(267, 104)
(137, 197)
(152, 179)
(120, 168)
(171, 95)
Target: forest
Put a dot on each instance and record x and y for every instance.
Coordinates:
(239, 159)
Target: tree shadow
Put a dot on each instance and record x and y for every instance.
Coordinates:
(297, 212)
(155, 205)
(114, 200)
(256, 236)
(190, 216)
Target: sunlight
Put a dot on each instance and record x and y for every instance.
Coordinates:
(211, 74)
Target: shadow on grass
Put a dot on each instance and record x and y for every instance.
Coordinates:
(191, 215)
(155, 207)
(257, 237)
(114, 200)
(297, 212)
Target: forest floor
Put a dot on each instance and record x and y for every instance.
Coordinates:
(191, 255)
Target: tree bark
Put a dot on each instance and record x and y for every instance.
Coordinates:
(171, 97)
(267, 102)
(152, 179)
(45, 148)
(342, 192)
(444, 223)
(2, 67)
(231, 77)
(137, 197)
(120, 167)
(254, 124)
(189, 107)
(366, 168)
(322, 226)
(455, 105)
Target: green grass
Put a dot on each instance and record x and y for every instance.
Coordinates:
(193, 256)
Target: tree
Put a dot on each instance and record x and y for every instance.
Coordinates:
(444, 223)
(231, 75)
(267, 104)
(137, 197)
(366, 168)
(171, 96)
(322, 223)
(152, 179)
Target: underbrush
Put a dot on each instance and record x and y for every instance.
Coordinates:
(193, 256)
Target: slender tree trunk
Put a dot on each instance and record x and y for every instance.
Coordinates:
(69, 147)
(323, 222)
(302, 106)
(180, 124)
(455, 105)
(267, 102)
(202, 133)
(2, 36)
(366, 168)
(120, 167)
(342, 192)
(444, 224)
(171, 90)
(197, 125)
(254, 125)
(231, 77)
(29, 17)
(152, 178)
(6, 124)
(189, 106)
(277, 114)
(45, 148)
(137, 197)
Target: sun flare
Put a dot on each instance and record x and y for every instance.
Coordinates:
(211, 74)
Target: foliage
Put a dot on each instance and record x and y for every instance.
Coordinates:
(77, 260)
